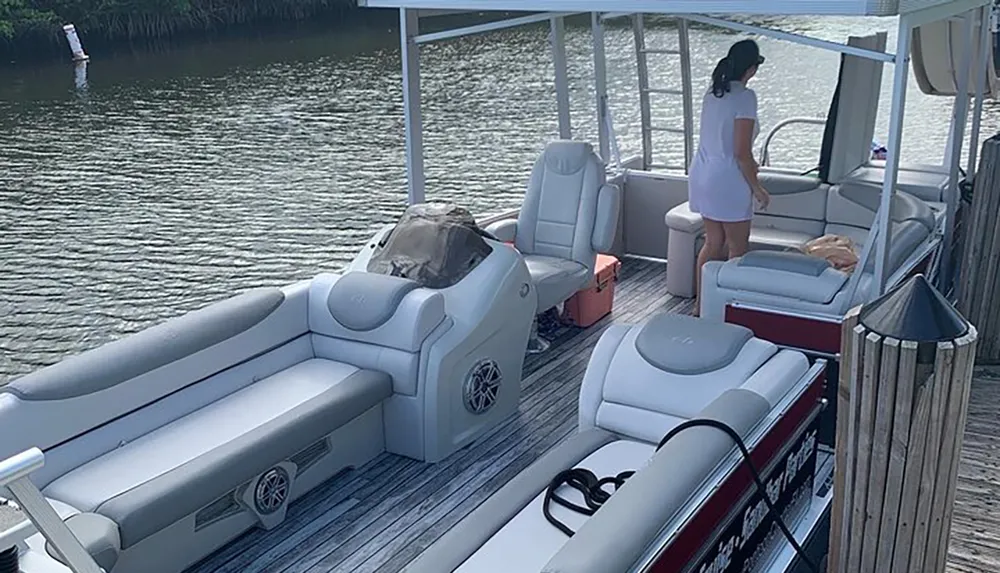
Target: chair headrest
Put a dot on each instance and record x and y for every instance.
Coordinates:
(566, 157)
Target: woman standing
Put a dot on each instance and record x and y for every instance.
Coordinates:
(723, 184)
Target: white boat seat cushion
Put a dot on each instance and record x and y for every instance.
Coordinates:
(772, 239)
(509, 532)
(561, 203)
(926, 182)
(555, 279)
(651, 498)
(150, 483)
(535, 538)
(792, 275)
(468, 536)
(644, 380)
(855, 204)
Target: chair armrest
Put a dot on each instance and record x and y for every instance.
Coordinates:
(374, 309)
(682, 219)
(504, 230)
(609, 200)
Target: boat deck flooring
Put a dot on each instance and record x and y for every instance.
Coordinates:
(381, 516)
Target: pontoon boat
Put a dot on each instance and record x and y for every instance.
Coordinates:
(238, 436)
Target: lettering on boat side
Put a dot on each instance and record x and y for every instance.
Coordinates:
(751, 536)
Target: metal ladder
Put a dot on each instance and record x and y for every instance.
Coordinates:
(645, 90)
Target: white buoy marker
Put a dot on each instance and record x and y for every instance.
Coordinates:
(74, 43)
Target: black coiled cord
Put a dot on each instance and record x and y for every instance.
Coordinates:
(584, 481)
(595, 495)
(8, 561)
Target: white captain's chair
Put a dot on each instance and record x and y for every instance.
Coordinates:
(569, 215)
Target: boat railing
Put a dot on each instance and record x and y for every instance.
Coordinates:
(765, 158)
(15, 473)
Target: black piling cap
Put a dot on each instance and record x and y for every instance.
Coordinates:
(916, 311)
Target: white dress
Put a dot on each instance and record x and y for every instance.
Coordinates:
(716, 186)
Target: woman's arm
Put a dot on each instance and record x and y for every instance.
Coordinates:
(743, 133)
(743, 146)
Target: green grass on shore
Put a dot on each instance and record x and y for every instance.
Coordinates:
(33, 28)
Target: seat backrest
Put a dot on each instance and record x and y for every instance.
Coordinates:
(561, 205)
(855, 204)
(794, 196)
(124, 378)
(642, 381)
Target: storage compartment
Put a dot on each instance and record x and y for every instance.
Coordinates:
(594, 302)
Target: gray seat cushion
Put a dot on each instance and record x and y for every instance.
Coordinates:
(98, 535)
(555, 279)
(365, 301)
(175, 470)
(795, 263)
(126, 358)
(778, 239)
(690, 346)
(791, 275)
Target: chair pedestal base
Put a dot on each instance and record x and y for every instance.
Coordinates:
(536, 344)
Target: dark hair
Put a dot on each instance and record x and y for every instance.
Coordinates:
(742, 56)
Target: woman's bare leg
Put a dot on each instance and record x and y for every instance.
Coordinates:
(737, 238)
(712, 250)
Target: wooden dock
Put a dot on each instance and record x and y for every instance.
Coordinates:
(379, 517)
(975, 531)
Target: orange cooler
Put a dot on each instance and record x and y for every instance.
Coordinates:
(594, 302)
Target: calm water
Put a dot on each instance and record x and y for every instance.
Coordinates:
(177, 178)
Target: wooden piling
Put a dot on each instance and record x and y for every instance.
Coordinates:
(902, 403)
(980, 280)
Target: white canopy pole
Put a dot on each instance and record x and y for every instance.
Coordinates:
(959, 116)
(558, 36)
(900, 75)
(985, 57)
(487, 27)
(685, 47)
(600, 86)
(408, 30)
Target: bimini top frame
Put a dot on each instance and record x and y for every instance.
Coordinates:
(771, 7)
(912, 14)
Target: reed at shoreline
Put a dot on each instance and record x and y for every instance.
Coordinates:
(32, 29)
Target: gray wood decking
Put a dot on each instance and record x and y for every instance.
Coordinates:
(379, 517)
(975, 530)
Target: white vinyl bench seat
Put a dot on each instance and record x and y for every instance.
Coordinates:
(159, 478)
(534, 537)
(802, 209)
(641, 382)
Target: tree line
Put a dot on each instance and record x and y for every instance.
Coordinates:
(32, 25)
